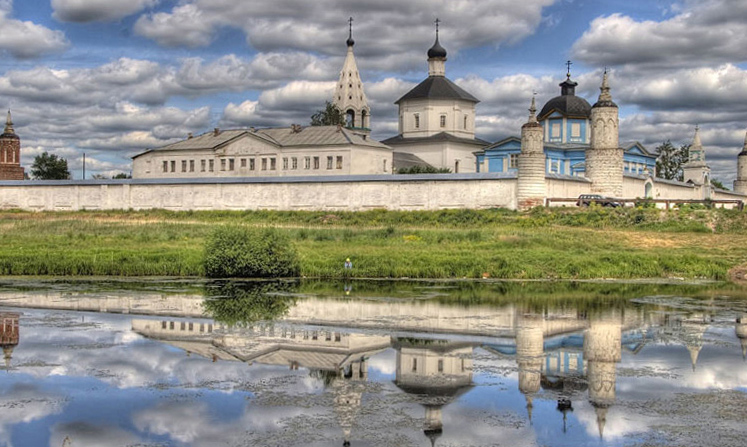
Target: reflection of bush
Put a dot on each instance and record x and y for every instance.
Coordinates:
(241, 304)
(240, 252)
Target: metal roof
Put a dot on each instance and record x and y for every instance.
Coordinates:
(437, 87)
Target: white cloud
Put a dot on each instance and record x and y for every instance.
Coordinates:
(25, 39)
(97, 10)
(703, 32)
(311, 26)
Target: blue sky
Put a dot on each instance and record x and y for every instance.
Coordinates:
(113, 78)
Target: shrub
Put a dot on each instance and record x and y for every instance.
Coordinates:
(240, 252)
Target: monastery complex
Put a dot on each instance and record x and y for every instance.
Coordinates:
(567, 149)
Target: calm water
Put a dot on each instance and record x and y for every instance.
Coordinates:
(372, 364)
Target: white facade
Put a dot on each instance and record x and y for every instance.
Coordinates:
(428, 117)
(278, 152)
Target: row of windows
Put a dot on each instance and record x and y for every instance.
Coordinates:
(442, 121)
(9, 156)
(440, 365)
(183, 326)
(229, 164)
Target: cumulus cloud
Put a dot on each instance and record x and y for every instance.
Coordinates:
(702, 32)
(97, 10)
(25, 39)
(301, 25)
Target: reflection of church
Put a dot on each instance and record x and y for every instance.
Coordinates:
(9, 335)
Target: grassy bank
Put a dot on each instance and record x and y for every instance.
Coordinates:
(563, 243)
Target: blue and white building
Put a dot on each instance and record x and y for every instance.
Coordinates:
(565, 120)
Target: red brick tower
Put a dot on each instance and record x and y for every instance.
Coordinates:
(10, 153)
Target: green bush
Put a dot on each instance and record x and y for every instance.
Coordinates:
(240, 252)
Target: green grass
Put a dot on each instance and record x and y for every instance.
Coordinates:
(559, 243)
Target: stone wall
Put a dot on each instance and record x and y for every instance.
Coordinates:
(348, 193)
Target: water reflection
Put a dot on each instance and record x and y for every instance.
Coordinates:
(278, 364)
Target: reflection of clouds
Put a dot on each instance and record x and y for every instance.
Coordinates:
(84, 434)
(24, 403)
(619, 421)
(384, 362)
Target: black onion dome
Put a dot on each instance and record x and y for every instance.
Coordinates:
(350, 41)
(436, 50)
(567, 103)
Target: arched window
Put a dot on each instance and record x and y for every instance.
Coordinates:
(649, 190)
(364, 119)
(350, 118)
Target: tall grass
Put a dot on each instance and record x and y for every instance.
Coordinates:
(562, 243)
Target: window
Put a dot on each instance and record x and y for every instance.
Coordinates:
(417, 121)
(443, 120)
(330, 160)
(184, 165)
(222, 164)
(171, 325)
(513, 161)
(272, 164)
(202, 165)
(307, 163)
(440, 365)
(294, 163)
(384, 165)
(555, 130)
(285, 163)
(231, 164)
(163, 325)
(191, 326)
(191, 166)
(165, 166)
(414, 365)
(456, 167)
(339, 162)
(211, 165)
(575, 130)
(316, 162)
(173, 165)
(251, 164)
(183, 325)
(264, 164)
(147, 166)
(243, 162)
(465, 122)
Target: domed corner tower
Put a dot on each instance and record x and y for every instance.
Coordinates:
(604, 159)
(740, 184)
(10, 153)
(349, 95)
(531, 189)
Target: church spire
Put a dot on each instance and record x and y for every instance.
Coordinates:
(350, 40)
(533, 110)
(349, 95)
(437, 57)
(9, 125)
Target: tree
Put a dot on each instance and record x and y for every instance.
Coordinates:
(718, 185)
(423, 170)
(49, 167)
(122, 175)
(670, 159)
(330, 116)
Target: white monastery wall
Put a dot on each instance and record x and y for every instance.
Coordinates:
(566, 188)
(353, 193)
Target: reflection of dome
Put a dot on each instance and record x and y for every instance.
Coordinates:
(567, 104)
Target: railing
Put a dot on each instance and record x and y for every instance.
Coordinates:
(635, 202)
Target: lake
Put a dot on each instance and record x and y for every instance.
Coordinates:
(371, 363)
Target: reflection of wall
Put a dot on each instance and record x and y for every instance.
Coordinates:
(741, 331)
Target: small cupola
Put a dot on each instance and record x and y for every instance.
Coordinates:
(437, 57)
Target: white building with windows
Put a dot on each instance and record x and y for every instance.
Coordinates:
(273, 152)
(437, 120)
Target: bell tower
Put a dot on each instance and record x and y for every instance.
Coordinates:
(10, 153)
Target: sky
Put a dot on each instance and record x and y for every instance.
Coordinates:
(111, 78)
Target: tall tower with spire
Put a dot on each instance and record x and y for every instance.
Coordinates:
(604, 159)
(740, 184)
(531, 189)
(696, 170)
(349, 96)
(10, 153)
